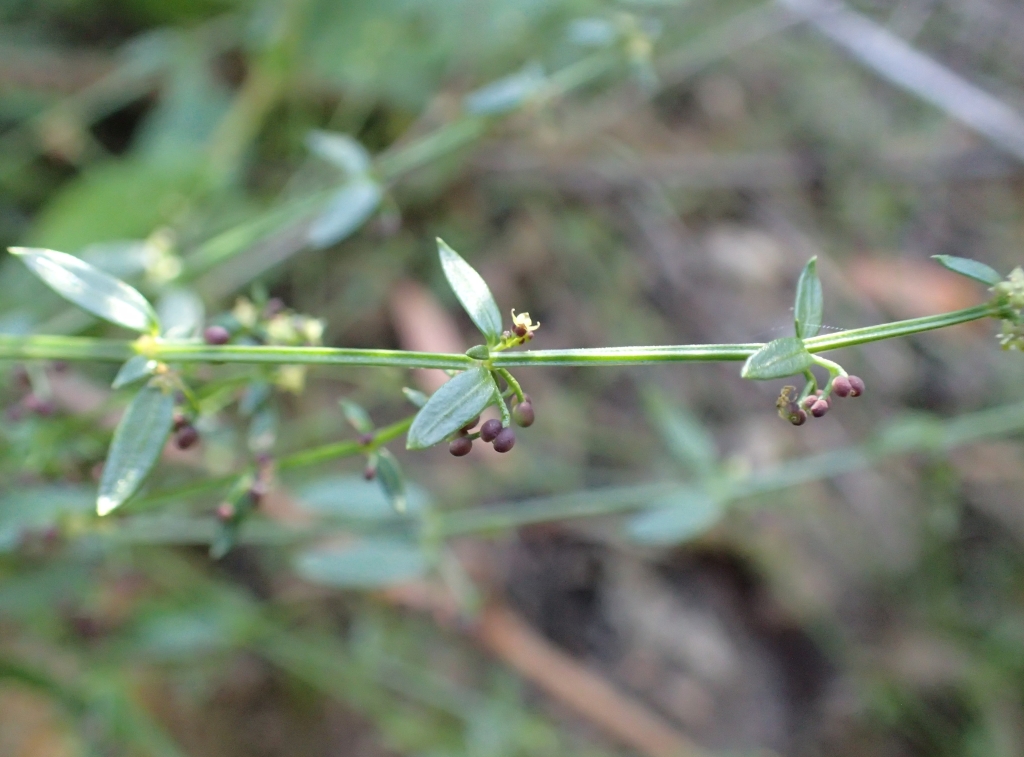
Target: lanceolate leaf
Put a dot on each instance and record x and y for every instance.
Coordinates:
(778, 359)
(391, 478)
(970, 268)
(807, 310)
(366, 563)
(340, 149)
(472, 292)
(451, 407)
(356, 416)
(90, 288)
(416, 397)
(676, 518)
(687, 440)
(138, 441)
(345, 212)
(135, 368)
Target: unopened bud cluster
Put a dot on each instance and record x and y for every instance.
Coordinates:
(502, 438)
(817, 403)
(1012, 335)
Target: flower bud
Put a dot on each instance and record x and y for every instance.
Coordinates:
(370, 472)
(490, 430)
(819, 408)
(216, 335)
(856, 386)
(460, 446)
(505, 440)
(186, 436)
(522, 413)
(808, 401)
(365, 439)
(841, 386)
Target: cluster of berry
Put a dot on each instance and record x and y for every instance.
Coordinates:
(503, 438)
(818, 403)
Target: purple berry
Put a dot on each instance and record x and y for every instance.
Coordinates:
(522, 413)
(460, 446)
(819, 408)
(471, 424)
(856, 386)
(808, 401)
(216, 335)
(490, 430)
(505, 440)
(798, 418)
(841, 386)
(186, 436)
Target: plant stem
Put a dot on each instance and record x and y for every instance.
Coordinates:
(85, 348)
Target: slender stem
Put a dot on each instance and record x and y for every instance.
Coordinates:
(84, 348)
(512, 384)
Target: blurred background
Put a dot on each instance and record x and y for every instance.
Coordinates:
(662, 566)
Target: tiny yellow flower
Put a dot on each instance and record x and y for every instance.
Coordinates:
(245, 313)
(291, 378)
(522, 324)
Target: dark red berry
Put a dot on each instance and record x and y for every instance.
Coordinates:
(519, 331)
(460, 446)
(841, 386)
(798, 418)
(472, 424)
(179, 421)
(505, 440)
(490, 430)
(856, 386)
(819, 408)
(216, 335)
(522, 413)
(186, 436)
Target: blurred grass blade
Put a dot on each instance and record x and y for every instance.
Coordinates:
(807, 310)
(972, 269)
(451, 407)
(135, 368)
(472, 291)
(366, 563)
(778, 359)
(677, 518)
(340, 150)
(344, 213)
(90, 288)
(353, 497)
(685, 437)
(506, 94)
(138, 441)
(391, 478)
(915, 72)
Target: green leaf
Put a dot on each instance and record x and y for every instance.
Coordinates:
(676, 518)
(353, 497)
(807, 310)
(451, 407)
(345, 212)
(972, 269)
(416, 397)
(472, 292)
(778, 359)
(391, 479)
(90, 288)
(506, 94)
(181, 313)
(135, 368)
(687, 440)
(366, 563)
(356, 416)
(37, 507)
(340, 150)
(138, 441)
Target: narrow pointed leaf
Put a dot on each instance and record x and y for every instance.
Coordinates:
(339, 149)
(677, 518)
(391, 479)
(415, 396)
(472, 292)
(972, 269)
(356, 416)
(135, 368)
(778, 359)
(687, 440)
(451, 407)
(181, 313)
(807, 310)
(366, 563)
(90, 288)
(508, 93)
(138, 441)
(344, 213)
(353, 497)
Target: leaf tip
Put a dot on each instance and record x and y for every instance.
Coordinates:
(105, 505)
